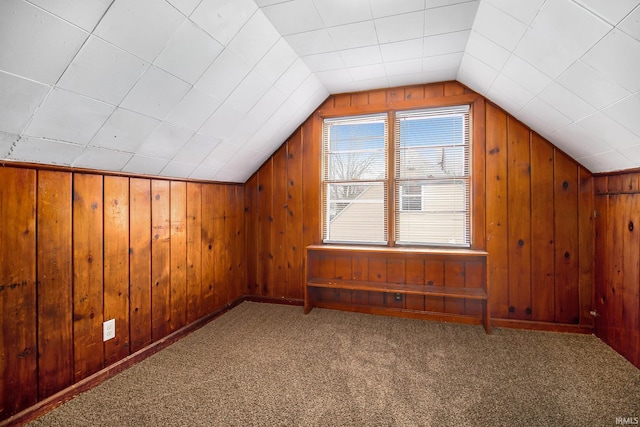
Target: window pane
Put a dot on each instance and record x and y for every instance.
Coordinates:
(355, 213)
(354, 175)
(356, 166)
(433, 153)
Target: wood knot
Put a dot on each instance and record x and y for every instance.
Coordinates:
(521, 243)
(567, 255)
(512, 309)
(565, 184)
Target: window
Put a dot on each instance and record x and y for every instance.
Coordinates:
(432, 154)
(355, 179)
(426, 169)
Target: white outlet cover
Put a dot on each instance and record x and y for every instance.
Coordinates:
(109, 330)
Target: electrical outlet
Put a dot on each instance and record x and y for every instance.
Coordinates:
(109, 330)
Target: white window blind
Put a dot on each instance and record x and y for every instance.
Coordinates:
(355, 179)
(432, 154)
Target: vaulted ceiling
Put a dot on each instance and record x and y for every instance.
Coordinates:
(208, 89)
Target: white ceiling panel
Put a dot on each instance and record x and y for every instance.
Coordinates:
(265, 107)
(204, 173)
(311, 42)
(354, 35)
(381, 8)
(194, 109)
(498, 26)
(306, 16)
(223, 18)
(408, 66)
(223, 123)
(41, 150)
(19, 99)
(83, 13)
(220, 155)
(566, 102)
(196, 149)
(35, 44)
(475, 73)
(632, 153)
(491, 53)
(631, 24)
(185, 6)
(141, 27)
(324, 61)
(608, 161)
(540, 115)
(339, 12)
(226, 72)
(570, 25)
(508, 94)
(578, 142)
(177, 169)
(368, 72)
(96, 158)
(293, 77)
(400, 51)
(276, 61)
(617, 55)
(523, 10)
(442, 62)
(591, 85)
(165, 141)
(445, 43)
(68, 117)
(103, 71)
(611, 11)
(525, 74)
(449, 19)
(361, 56)
(310, 89)
(254, 40)
(627, 113)
(124, 131)
(607, 129)
(248, 93)
(145, 165)
(189, 53)
(401, 27)
(208, 89)
(146, 98)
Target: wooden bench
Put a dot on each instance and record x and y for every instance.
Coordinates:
(315, 277)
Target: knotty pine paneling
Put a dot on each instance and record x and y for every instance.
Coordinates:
(18, 334)
(617, 263)
(116, 265)
(139, 263)
(100, 241)
(531, 224)
(54, 288)
(88, 279)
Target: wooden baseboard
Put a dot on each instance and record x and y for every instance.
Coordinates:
(541, 326)
(55, 400)
(273, 300)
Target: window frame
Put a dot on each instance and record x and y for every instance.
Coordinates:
(476, 158)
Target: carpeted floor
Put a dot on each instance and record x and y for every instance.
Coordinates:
(263, 364)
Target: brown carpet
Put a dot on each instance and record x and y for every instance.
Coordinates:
(263, 364)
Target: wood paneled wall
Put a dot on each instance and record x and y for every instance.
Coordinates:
(617, 263)
(533, 212)
(77, 249)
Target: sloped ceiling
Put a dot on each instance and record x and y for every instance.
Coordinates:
(208, 89)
